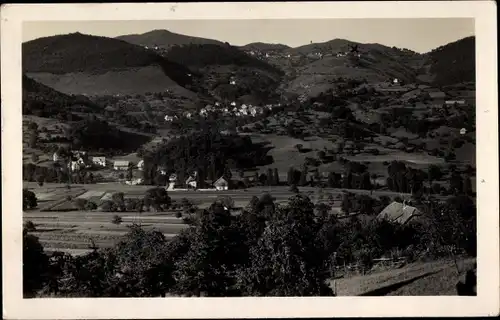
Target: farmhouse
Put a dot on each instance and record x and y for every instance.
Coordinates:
(399, 212)
(121, 165)
(221, 184)
(191, 182)
(172, 180)
(140, 165)
(99, 161)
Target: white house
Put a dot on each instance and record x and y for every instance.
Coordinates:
(395, 81)
(221, 184)
(233, 103)
(121, 165)
(217, 104)
(99, 161)
(172, 180)
(191, 182)
(232, 82)
(169, 118)
(55, 157)
(75, 165)
(140, 165)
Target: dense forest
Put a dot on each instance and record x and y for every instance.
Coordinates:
(209, 153)
(455, 62)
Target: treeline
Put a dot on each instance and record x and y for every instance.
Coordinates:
(57, 173)
(202, 55)
(221, 254)
(208, 153)
(94, 134)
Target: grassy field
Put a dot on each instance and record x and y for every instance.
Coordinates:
(416, 279)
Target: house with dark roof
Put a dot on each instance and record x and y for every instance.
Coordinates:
(221, 184)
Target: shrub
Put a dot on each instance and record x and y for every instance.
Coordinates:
(29, 226)
(117, 220)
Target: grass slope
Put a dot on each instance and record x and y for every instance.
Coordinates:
(165, 39)
(77, 59)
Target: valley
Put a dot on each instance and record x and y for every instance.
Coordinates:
(161, 139)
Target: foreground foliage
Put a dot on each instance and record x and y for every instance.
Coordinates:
(267, 250)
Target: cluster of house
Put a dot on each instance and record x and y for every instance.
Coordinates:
(78, 160)
(234, 109)
(270, 54)
(191, 182)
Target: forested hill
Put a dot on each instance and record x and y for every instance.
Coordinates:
(454, 63)
(78, 52)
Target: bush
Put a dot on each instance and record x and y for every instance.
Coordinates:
(117, 220)
(29, 226)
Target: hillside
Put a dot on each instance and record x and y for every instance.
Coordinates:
(218, 65)
(44, 101)
(321, 64)
(452, 63)
(263, 47)
(165, 39)
(84, 64)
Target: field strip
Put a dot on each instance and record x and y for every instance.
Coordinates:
(73, 252)
(91, 193)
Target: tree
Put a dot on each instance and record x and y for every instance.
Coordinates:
(467, 185)
(80, 203)
(213, 252)
(270, 177)
(35, 264)
(276, 177)
(33, 139)
(158, 198)
(117, 220)
(291, 176)
(226, 201)
(29, 199)
(303, 177)
(299, 259)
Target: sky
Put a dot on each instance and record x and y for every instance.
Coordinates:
(419, 34)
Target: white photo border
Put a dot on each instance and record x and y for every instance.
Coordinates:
(485, 303)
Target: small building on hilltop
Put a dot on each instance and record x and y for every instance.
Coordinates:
(221, 184)
(399, 212)
(120, 165)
